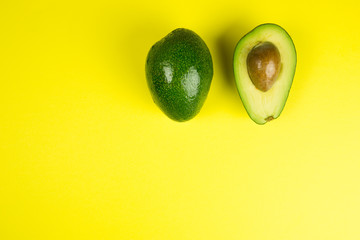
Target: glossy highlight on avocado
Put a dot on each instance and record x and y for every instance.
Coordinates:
(179, 72)
(264, 67)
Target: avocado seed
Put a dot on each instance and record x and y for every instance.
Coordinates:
(263, 65)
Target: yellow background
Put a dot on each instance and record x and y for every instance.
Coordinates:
(86, 154)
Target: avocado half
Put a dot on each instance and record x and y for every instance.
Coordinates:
(264, 68)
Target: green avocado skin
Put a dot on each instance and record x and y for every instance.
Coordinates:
(179, 72)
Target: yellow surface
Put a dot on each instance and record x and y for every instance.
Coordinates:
(86, 154)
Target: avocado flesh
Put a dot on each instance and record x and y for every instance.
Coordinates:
(179, 72)
(263, 106)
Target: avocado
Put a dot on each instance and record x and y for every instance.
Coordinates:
(179, 71)
(264, 67)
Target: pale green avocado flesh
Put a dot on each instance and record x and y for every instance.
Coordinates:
(264, 106)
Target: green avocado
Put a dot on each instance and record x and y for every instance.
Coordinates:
(179, 71)
(264, 68)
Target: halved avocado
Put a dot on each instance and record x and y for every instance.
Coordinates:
(264, 67)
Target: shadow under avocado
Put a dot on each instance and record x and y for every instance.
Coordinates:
(226, 43)
(133, 45)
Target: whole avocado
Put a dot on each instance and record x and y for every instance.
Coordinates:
(179, 72)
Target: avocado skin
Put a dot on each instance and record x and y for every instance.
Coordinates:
(179, 72)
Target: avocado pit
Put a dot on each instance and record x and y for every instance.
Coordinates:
(263, 65)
